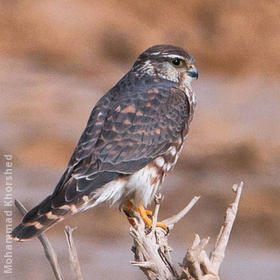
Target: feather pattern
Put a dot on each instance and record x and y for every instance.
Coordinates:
(134, 123)
(132, 139)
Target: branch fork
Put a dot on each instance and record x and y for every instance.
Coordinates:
(151, 250)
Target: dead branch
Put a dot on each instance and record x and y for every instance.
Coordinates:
(152, 253)
(170, 222)
(75, 264)
(151, 250)
(218, 254)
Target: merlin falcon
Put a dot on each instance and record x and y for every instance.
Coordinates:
(132, 140)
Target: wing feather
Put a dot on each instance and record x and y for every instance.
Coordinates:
(130, 126)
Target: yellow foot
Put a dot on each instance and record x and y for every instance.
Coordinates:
(146, 216)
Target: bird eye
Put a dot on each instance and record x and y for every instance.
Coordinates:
(177, 62)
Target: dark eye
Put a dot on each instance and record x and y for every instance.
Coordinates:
(177, 62)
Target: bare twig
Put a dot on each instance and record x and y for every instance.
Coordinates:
(170, 222)
(218, 254)
(152, 253)
(48, 249)
(146, 250)
(196, 264)
(75, 264)
(196, 261)
(158, 200)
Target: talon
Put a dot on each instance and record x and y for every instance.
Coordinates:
(144, 213)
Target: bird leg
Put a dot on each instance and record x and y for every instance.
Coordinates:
(145, 214)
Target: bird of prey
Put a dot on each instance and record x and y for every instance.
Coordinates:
(132, 139)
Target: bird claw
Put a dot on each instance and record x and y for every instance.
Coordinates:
(146, 216)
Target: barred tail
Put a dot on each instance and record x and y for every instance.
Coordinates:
(38, 220)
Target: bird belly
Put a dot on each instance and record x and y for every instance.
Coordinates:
(143, 184)
(139, 188)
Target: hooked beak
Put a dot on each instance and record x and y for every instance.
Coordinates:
(193, 72)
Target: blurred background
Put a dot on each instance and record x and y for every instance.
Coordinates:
(57, 58)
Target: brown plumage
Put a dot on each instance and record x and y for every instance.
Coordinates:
(132, 139)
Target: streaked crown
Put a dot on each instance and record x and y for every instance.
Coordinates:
(166, 61)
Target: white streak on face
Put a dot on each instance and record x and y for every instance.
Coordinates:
(175, 56)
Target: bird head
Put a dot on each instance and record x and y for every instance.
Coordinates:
(168, 62)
